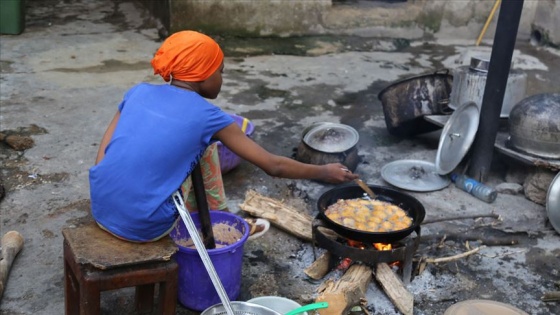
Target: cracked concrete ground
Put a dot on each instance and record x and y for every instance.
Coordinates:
(63, 77)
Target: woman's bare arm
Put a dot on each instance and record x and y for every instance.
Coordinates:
(280, 166)
(107, 137)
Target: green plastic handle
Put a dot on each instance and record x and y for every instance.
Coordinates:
(308, 307)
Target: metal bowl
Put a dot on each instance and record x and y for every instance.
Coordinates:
(240, 308)
(277, 303)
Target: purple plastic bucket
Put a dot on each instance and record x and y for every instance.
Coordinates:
(228, 159)
(196, 290)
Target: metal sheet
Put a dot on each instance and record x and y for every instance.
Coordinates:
(457, 137)
(553, 203)
(414, 175)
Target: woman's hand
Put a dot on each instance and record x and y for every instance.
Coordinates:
(337, 173)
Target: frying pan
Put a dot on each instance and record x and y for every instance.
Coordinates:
(409, 204)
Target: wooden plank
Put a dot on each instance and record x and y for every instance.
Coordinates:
(96, 247)
(394, 288)
(289, 219)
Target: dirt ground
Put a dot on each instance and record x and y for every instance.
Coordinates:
(63, 77)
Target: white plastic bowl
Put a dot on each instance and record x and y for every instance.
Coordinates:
(280, 304)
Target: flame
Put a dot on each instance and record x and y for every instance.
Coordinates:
(344, 264)
(356, 244)
(382, 246)
(360, 245)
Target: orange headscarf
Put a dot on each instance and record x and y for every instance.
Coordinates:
(187, 56)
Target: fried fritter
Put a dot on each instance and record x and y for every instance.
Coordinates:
(368, 215)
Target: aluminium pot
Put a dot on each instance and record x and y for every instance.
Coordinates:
(325, 142)
(409, 204)
(469, 83)
(406, 102)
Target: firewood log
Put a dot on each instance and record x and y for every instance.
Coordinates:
(289, 219)
(320, 267)
(394, 288)
(346, 292)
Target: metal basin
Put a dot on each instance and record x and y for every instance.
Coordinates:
(406, 102)
(534, 125)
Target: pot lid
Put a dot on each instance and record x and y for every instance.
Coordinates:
(553, 203)
(331, 137)
(483, 307)
(456, 137)
(414, 175)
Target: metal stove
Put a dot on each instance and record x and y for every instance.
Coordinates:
(402, 250)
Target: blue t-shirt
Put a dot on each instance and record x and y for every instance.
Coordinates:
(161, 134)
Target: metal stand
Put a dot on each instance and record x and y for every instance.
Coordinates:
(498, 71)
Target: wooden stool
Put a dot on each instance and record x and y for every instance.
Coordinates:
(96, 261)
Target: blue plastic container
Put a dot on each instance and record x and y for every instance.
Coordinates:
(196, 290)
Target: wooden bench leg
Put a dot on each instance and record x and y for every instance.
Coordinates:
(71, 291)
(168, 291)
(144, 298)
(167, 297)
(90, 299)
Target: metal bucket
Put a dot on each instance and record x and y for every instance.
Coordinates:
(469, 85)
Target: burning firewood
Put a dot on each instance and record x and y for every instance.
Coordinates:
(394, 288)
(346, 292)
(320, 267)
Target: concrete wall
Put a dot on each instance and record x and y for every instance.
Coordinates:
(412, 19)
(546, 24)
(249, 18)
